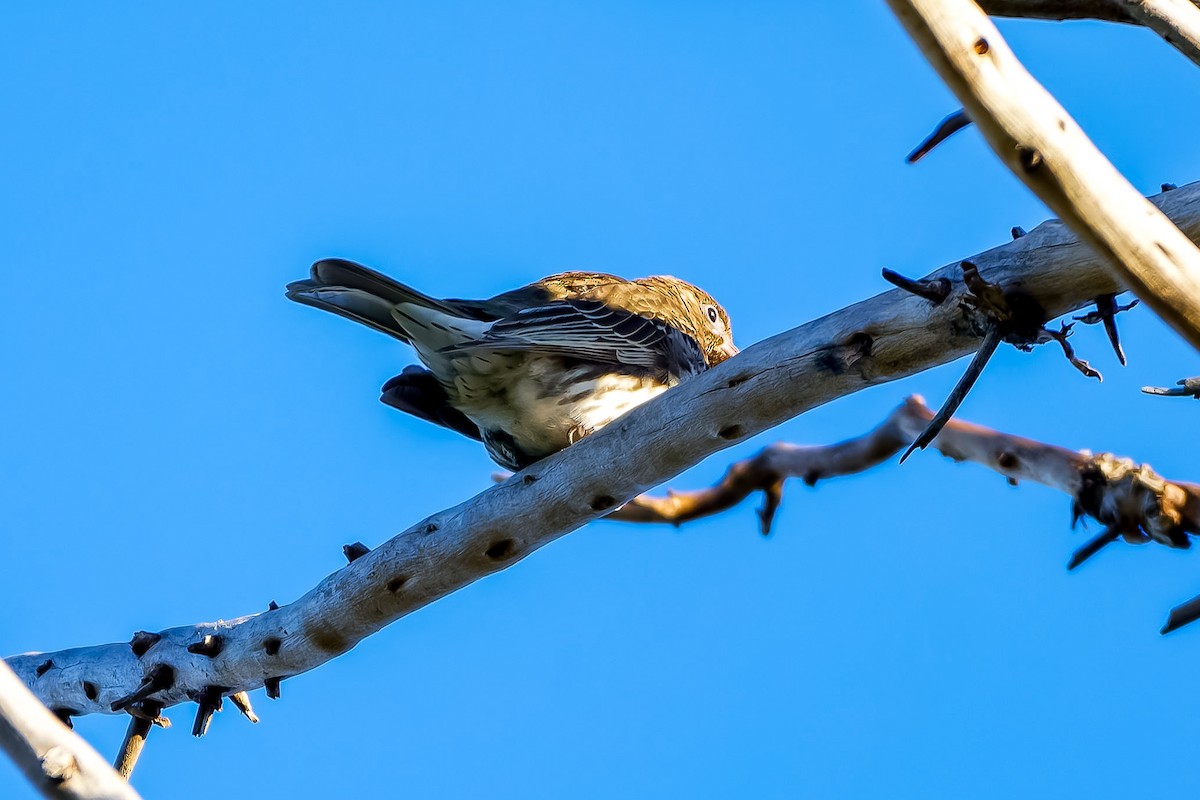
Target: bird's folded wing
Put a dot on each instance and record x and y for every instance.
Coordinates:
(592, 331)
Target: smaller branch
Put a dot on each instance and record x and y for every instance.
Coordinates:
(1104, 539)
(1182, 614)
(767, 471)
(934, 290)
(143, 716)
(1188, 387)
(1106, 312)
(949, 126)
(58, 762)
(1078, 363)
(208, 702)
(1131, 501)
(131, 747)
(986, 350)
(241, 701)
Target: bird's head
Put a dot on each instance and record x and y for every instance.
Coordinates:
(693, 311)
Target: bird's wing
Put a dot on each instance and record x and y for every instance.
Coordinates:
(592, 331)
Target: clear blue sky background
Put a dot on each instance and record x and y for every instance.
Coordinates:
(181, 443)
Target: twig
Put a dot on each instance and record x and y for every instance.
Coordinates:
(1188, 387)
(1044, 147)
(131, 747)
(1106, 312)
(949, 126)
(990, 342)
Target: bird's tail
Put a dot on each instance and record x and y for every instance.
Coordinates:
(361, 294)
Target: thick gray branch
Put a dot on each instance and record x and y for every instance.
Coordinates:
(887, 337)
(1044, 147)
(58, 762)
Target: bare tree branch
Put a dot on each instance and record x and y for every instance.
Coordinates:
(58, 762)
(1044, 147)
(877, 340)
(1014, 457)
(1176, 21)
(1130, 500)
(1185, 387)
(1059, 10)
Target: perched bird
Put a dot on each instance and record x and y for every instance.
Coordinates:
(531, 371)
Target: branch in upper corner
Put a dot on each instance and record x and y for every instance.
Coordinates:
(1187, 387)
(1176, 21)
(1130, 500)
(1044, 147)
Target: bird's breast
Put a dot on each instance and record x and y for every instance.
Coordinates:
(545, 404)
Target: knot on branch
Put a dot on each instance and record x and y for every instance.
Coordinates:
(1134, 501)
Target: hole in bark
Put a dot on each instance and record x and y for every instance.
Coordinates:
(396, 584)
(91, 690)
(501, 550)
(982, 46)
(529, 479)
(44, 667)
(732, 432)
(431, 527)
(737, 381)
(602, 503)
(272, 645)
(1007, 460)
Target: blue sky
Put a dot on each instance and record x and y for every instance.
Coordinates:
(183, 444)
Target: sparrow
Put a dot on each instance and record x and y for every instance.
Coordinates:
(531, 371)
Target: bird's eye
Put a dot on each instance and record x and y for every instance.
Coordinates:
(712, 315)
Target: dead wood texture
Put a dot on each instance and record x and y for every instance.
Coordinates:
(1050, 153)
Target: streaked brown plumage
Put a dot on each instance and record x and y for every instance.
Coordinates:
(532, 370)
